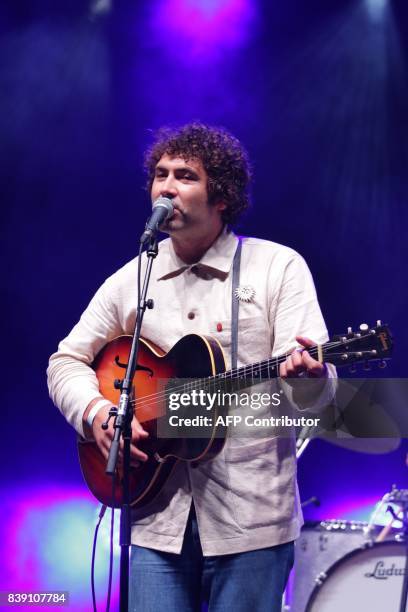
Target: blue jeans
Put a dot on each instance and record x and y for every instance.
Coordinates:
(252, 581)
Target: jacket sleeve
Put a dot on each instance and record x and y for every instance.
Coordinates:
(72, 383)
(297, 313)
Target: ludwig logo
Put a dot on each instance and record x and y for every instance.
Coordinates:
(382, 572)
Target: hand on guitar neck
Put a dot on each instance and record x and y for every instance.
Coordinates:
(300, 362)
(103, 438)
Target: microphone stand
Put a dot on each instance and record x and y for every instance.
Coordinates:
(123, 416)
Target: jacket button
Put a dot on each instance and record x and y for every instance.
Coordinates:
(191, 315)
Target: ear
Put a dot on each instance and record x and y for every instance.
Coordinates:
(220, 206)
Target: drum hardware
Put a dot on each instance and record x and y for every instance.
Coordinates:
(320, 545)
(340, 525)
(395, 496)
(351, 565)
(394, 515)
(320, 578)
(368, 577)
(404, 593)
(315, 501)
(398, 497)
(327, 549)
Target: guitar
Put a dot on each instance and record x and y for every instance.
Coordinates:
(198, 358)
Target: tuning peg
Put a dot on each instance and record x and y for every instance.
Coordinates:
(379, 323)
(349, 330)
(382, 364)
(363, 327)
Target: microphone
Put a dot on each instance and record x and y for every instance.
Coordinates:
(162, 209)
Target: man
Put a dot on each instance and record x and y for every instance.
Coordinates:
(225, 528)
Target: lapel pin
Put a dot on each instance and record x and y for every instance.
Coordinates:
(245, 293)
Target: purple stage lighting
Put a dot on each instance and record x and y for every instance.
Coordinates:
(202, 29)
(46, 535)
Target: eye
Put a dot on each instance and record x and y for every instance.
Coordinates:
(189, 176)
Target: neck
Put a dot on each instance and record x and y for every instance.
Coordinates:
(190, 249)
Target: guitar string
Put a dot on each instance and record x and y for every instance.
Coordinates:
(154, 398)
(223, 376)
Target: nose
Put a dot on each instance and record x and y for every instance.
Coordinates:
(168, 187)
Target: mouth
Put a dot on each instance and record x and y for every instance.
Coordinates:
(176, 213)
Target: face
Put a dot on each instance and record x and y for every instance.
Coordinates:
(186, 183)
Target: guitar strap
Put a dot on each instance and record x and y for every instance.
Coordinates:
(235, 303)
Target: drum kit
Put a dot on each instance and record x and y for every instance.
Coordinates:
(350, 566)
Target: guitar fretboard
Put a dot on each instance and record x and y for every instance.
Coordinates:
(245, 376)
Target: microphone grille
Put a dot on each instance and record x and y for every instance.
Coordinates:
(163, 201)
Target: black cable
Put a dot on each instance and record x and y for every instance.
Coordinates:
(139, 280)
(101, 515)
(108, 598)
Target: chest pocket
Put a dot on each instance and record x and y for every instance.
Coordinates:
(254, 339)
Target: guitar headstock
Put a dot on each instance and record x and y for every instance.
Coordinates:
(368, 344)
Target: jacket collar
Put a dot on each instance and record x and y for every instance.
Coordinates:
(216, 262)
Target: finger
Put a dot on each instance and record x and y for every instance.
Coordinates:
(108, 435)
(139, 434)
(291, 369)
(296, 357)
(104, 451)
(133, 462)
(306, 342)
(137, 455)
(283, 373)
(137, 428)
(297, 366)
(313, 367)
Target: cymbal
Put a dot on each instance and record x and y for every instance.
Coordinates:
(364, 419)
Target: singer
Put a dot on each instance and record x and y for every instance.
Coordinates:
(221, 531)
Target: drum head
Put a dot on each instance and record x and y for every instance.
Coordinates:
(365, 580)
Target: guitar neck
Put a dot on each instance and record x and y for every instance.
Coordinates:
(241, 378)
(373, 344)
(263, 370)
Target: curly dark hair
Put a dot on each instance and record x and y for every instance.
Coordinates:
(222, 155)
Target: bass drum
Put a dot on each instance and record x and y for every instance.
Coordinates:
(367, 579)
